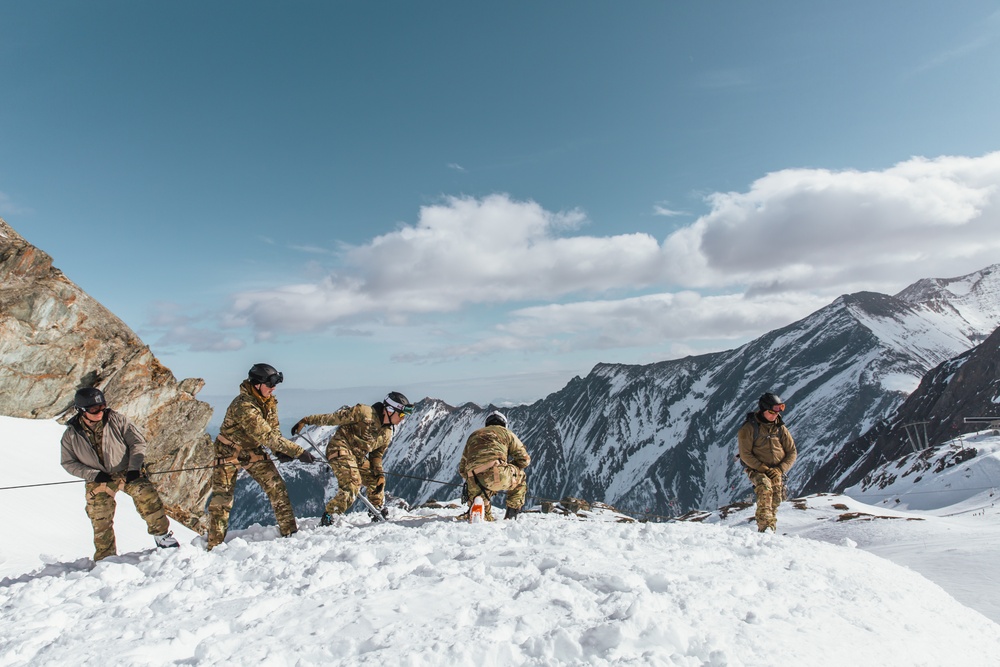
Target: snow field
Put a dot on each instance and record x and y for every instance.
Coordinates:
(545, 590)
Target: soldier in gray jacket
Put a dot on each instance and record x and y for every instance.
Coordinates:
(104, 448)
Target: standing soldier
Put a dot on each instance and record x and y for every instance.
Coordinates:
(355, 451)
(104, 448)
(768, 452)
(251, 423)
(494, 460)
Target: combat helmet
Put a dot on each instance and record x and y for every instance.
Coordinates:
(265, 374)
(496, 418)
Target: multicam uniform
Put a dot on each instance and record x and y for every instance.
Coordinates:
(251, 423)
(115, 446)
(355, 452)
(771, 448)
(494, 460)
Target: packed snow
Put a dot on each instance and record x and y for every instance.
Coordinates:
(425, 589)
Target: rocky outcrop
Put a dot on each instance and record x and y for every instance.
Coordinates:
(54, 339)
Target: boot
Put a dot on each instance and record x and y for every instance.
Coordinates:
(384, 512)
(512, 513)
(166, 541)
(326, 520)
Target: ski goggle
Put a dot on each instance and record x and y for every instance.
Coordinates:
(274, 379)
(399, 408)
(95, 409)
(780, 407)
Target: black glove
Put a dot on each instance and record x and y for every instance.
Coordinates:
(379, 485)
(132, 475)
(298, 426)
(306, 457)
(283, 458)
(102, 477)
(775, 475)
(465, 493)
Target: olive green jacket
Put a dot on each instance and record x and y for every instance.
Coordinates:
(492, 443)
(773, 445)
(361, 434)
(251, 423)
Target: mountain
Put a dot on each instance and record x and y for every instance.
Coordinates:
(966, 386)
(660, 438)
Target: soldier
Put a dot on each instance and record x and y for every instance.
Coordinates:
(356, 449)
(494, 460)
(767, 452)
(250, 424)
(104, 448)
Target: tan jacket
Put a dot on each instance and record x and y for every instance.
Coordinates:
(773, 446)
(123, 447)
(492, 444)
(251, 422)
(361, 435)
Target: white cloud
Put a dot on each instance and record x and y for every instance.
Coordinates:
(792, 241)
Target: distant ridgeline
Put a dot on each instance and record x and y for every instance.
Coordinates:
(54, 339)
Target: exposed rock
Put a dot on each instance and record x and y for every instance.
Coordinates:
(54, 339)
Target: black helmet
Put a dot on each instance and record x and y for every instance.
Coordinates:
(265, 374)
(771, 402)
(88, 397)
(397, 402)
(496, 418)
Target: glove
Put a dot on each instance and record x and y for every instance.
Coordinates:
(306, 457)
(102, 477)
(283, 458)
(465, 493)
(774, 474)
(298, 426)
(766, 470)
(379, 486)
(132, 475)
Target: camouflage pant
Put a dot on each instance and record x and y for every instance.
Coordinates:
(502, 477)
(101, 510)
(769, 495)
(224, 479)
(350, 478)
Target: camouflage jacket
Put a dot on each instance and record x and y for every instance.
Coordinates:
(361, 434)
(492, 443)
(769, 444)
(123, 447)
(251, 423)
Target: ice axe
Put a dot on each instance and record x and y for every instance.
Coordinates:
(371, 508)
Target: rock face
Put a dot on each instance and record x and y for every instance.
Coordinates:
(55, 339)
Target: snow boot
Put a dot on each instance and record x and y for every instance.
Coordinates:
(326, 520)
(166, 541)
(512, 513)
(384, 512)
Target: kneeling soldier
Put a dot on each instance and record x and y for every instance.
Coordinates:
(104, 448)
(250, 424)
(494, 460)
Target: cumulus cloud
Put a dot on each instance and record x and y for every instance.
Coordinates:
(793, 240)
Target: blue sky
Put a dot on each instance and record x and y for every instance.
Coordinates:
(477, 201)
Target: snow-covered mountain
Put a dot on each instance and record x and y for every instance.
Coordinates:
(660, 438)
(963, 387)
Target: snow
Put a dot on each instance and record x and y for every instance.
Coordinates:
(544, 590)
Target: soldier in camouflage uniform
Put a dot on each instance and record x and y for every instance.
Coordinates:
(250, 424)
(356, 449)
(104, 448)
(494, 460)
(767, 451)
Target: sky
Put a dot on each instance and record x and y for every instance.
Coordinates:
(478, 201)
(545, 589)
